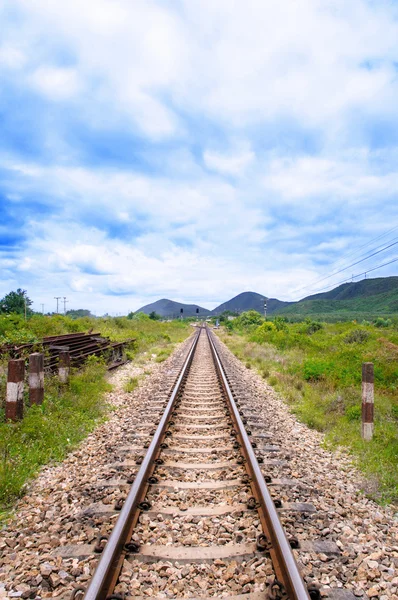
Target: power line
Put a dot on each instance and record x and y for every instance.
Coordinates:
(315, 281)
(349, 266)
(364, 246)
(355, 276)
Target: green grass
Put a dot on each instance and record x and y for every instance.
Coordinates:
(48, 432)
(318, 371)
(131, 384)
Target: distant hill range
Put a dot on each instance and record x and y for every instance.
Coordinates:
(376, 296)
(170, 309)
(250, 301)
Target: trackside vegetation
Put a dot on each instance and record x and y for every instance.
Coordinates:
(317, 368)
(48, 432)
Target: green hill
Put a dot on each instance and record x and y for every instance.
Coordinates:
(250, 301)
(171, 310)
(377, 296)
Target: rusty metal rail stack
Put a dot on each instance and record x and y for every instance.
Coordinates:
(79, 345)
(273, 541)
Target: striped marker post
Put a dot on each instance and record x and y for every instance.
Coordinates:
(36, 378)
(64, 366)
(367, 401)
(15, 389)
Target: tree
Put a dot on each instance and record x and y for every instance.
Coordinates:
(16, 302)
(154, 316)
(130, 315)
(78, 313)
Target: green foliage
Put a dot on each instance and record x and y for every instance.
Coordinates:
(139, 316)
(16, 302)
(78, 313)
(319, 375)
(380, 322)
(280, 323)
(250, 317)
(357, 336)
(154, 316)
(48, 432)
(27, 445)
(311, 327)
(131, 384)
(365, 299)
(353, 413)
(314, 369)
(261, 333)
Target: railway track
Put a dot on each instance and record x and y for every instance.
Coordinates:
(197, 499)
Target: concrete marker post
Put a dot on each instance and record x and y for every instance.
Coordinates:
(367, 401)
(64, 366)
(36, 378)
(15, 389)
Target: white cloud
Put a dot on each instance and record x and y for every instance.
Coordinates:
(11, 57)
(240, 88)
(354, 176)
(55, 83)
(239, 63)
(233, 163)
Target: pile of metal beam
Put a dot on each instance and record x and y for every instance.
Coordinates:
(79, 345)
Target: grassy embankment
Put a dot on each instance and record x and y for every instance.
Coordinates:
(48, 432)
(317, 368)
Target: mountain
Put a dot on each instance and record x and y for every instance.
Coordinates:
(171, 309)
(375, 296)
(250, 301)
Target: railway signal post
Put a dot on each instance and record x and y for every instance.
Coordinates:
(36, 378)
(64, 366)
(15, 389)
(367, 401)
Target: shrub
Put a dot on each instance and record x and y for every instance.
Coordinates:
(380, 322)
(357, 336)
(313, 326)
(280, 323)
(260, 334)
(250, 317)
(314, 370)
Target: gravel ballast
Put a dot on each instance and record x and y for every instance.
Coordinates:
(50, 514)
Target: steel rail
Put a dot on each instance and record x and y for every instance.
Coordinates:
(286, 563)
(110, 562)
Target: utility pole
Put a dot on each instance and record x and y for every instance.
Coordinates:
(265, 308)
(57, 298)
(65, 303)
(42, 309)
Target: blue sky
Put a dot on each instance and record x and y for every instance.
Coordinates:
(194, 150)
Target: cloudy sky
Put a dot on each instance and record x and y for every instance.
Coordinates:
(195, 149)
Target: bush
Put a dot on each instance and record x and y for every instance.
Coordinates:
(250, 317)
(313, 326)
(280, 323)
(260, 334)
(314, 370)
(357, 336)
(380, 322)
